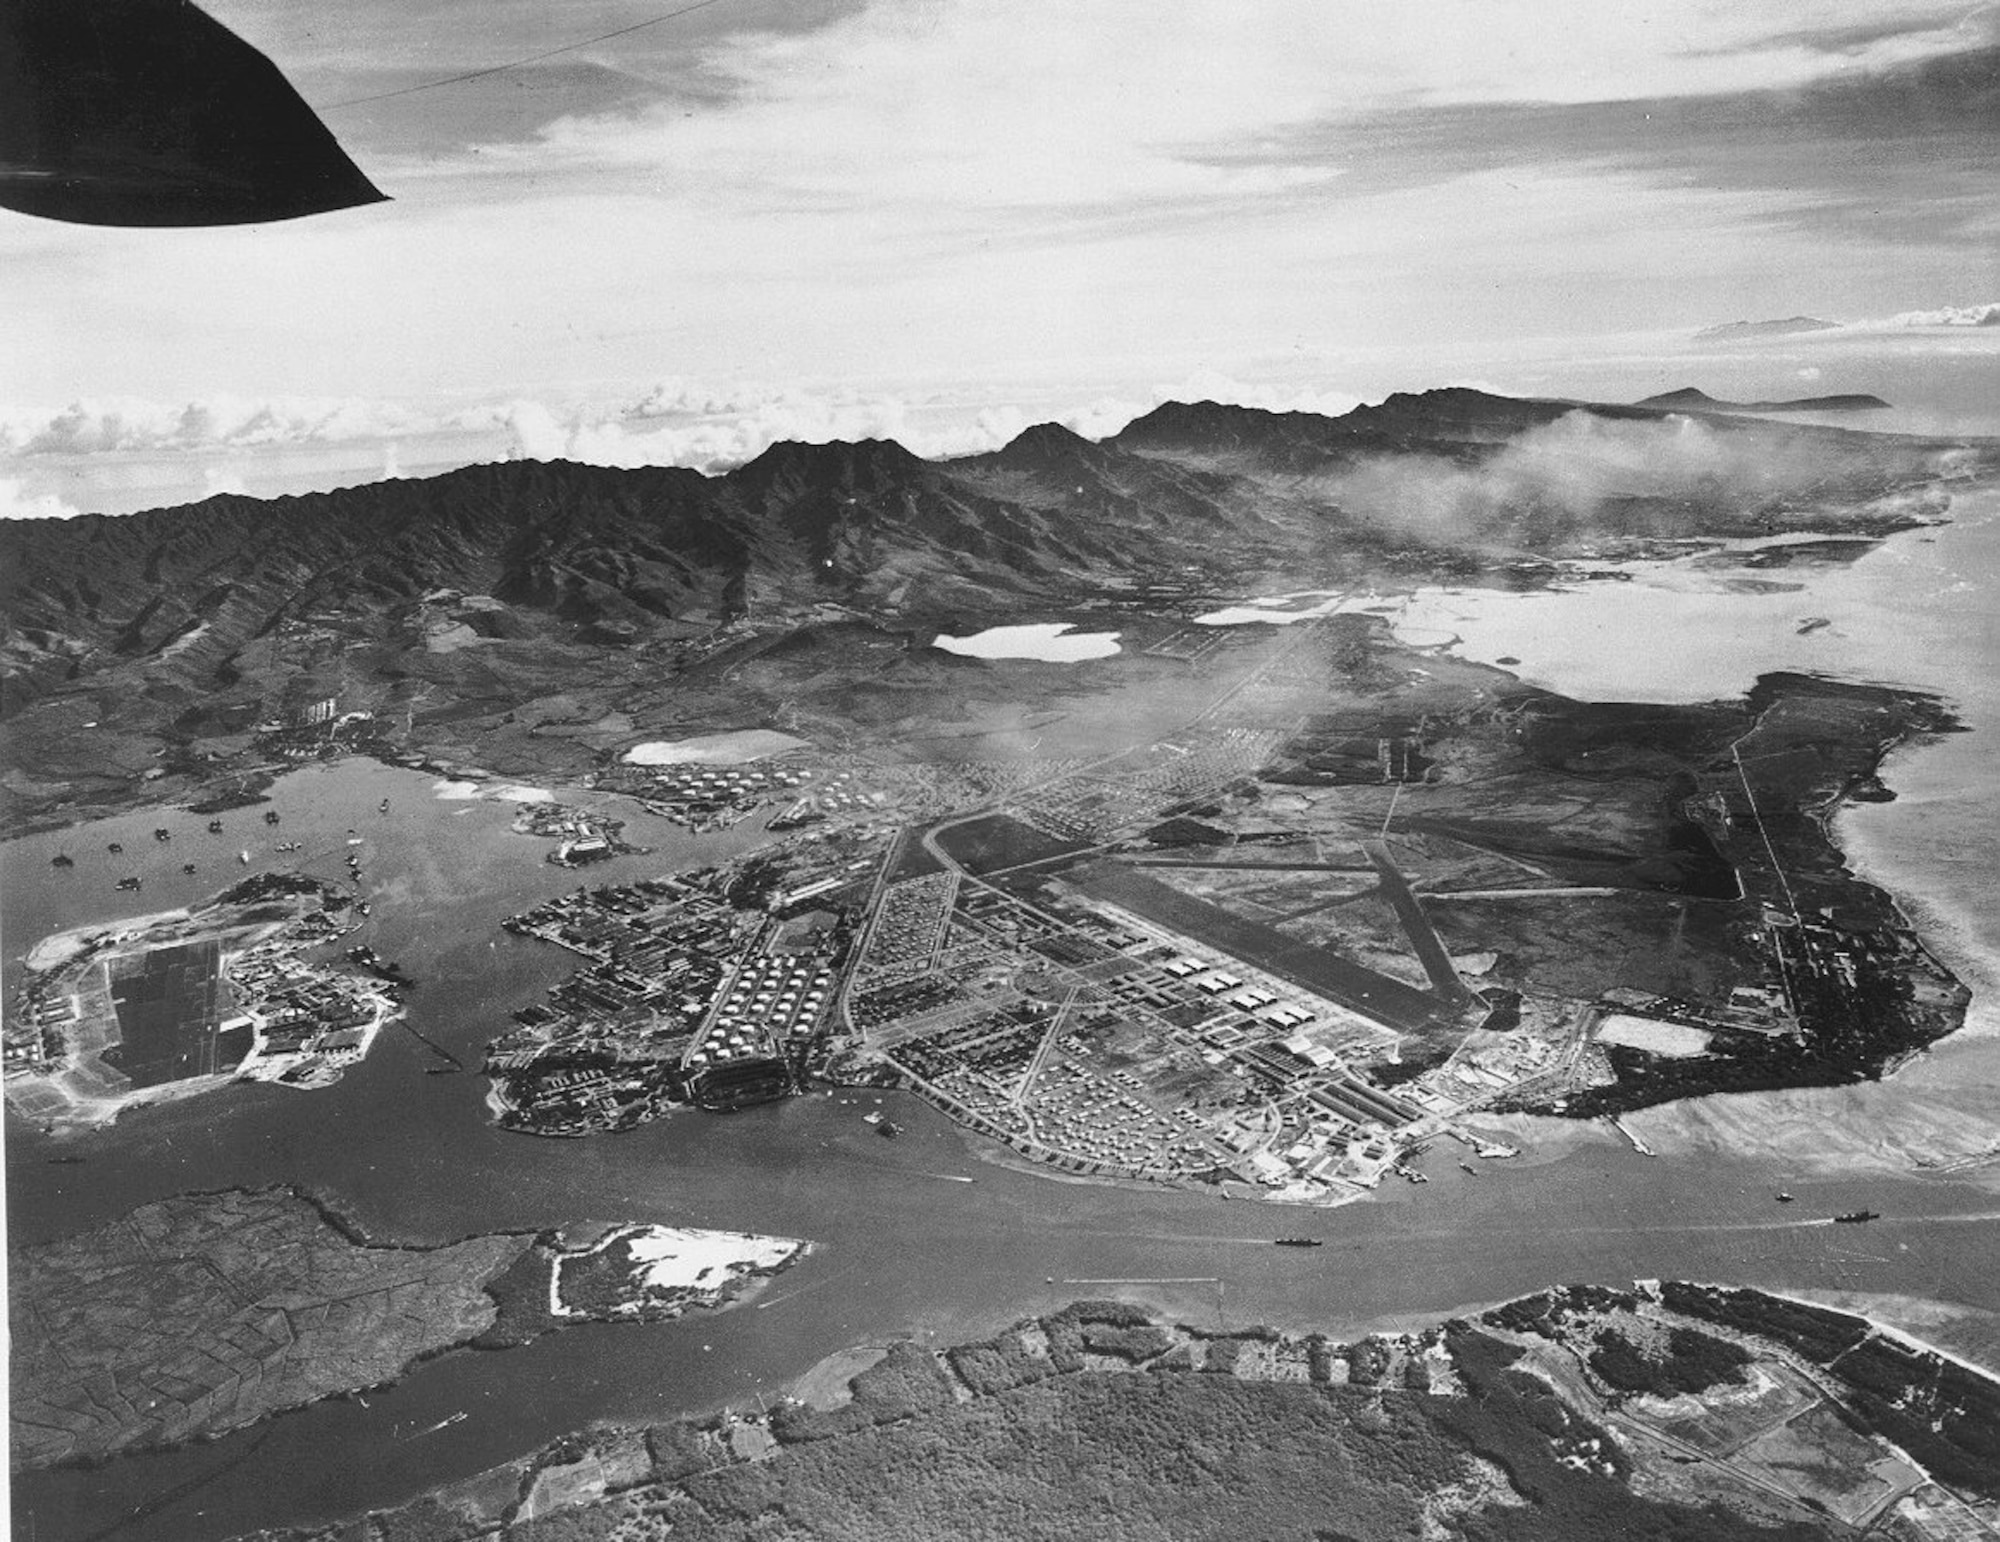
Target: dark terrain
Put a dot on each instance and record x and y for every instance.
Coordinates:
(522, 617)
(1538, 1420)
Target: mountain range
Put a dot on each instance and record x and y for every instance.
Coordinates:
(172, 634)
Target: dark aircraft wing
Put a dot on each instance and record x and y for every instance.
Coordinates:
(150, 112)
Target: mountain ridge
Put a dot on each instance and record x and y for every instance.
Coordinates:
(179, 630)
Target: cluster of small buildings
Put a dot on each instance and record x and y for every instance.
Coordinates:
(1102, 1119)
(305, 1020)
(580, 837)
(909, 926)
(1166, 1063)
(1131, 789)
(693, 992)
(38, 1028)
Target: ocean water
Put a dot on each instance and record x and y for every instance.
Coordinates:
(905, 1249)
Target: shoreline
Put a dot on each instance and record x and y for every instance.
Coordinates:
(827, 1386)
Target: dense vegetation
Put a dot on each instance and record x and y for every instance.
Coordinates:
(1046, 1448)
(1693, 1362)
(521, 1291)
(1817, 1332)
(1945, 1416)
(1156, 1457)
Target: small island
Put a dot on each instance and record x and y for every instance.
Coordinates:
(1690, 399)
(113, 1016)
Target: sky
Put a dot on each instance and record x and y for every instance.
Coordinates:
(941, 220)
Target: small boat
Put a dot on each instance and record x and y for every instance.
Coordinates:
(114, 847)
(1856, 1217)
(1783, 1197)
(62, 859)
(1470, 1168)
(130, 885)
(385, 805)
(891, 1131)
(1300, 1242)
(243, 857)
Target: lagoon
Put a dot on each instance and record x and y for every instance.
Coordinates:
(1052, 642)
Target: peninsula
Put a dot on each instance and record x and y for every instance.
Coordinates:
(200, 1314)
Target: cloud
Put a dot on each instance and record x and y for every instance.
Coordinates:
(712, 428)
(1987, 315)
(1560, 474)
(126, 424)
(1209, 385)
(17, 503)
(1104, 417)
(536, 433)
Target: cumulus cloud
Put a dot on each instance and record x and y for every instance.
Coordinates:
(16, 502)
(1563, 472)
(1104, 417)
(1987, 315)
(536, 433)
(711, 428)
(1207, 385)
(100, 426)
